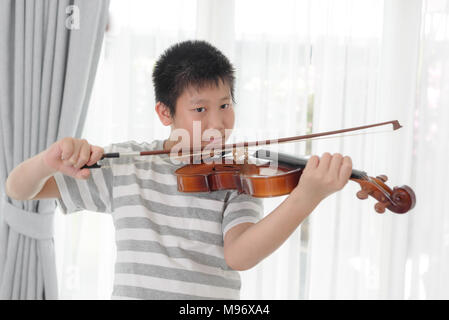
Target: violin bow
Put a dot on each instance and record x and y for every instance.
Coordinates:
(224, 147)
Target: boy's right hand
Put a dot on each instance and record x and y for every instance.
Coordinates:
(68, 155)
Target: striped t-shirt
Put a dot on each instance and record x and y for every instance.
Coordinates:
(169, 244)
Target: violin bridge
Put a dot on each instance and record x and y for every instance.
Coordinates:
(240, 156)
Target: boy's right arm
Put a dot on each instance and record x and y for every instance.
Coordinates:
(33, 178)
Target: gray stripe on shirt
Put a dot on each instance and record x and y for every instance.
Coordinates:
(125, 180)
(172, 252)
(142, 223)
(164, 209)
(74, 193)
(151, 294)
(157, 167)
(176, 274)
(133, 145)
(93, 189)
(229, 217)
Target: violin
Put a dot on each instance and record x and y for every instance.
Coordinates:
(279, 176)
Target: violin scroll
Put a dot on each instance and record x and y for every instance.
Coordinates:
(399, 200)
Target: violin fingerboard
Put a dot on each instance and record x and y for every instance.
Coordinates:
(294, 162)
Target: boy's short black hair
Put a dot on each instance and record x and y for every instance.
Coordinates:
(189, 63)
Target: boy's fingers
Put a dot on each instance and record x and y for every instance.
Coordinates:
(82, 174)
(97, 153)
(67, 148)
(312, 163)
(345, 170)
(335, 164)
(76, 151)
(325, 162)
(84, 155)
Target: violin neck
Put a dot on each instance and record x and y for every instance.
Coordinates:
(294, 162)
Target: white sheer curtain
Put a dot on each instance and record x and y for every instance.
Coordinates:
(301, 66)
(427, 268)
(366, 64)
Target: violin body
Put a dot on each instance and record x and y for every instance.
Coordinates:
(279, 177)
(250, 179)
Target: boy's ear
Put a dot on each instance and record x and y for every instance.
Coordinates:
(164, 113)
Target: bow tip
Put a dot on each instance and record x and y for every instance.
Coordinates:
(396, 125)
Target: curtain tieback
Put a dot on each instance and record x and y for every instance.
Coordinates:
(39, 226)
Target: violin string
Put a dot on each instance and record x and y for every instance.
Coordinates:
(380, 188)
(166, 155)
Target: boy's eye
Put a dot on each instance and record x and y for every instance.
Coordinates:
(224, 106)
(200, 109)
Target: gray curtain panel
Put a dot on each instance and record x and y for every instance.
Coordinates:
(49, 51)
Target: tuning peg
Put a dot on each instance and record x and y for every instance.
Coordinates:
(362, 194)
(382, 177)
(380, 207)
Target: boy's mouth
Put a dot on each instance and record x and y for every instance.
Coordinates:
(214, 141)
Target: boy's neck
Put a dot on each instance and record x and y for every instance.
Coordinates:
(165, 145)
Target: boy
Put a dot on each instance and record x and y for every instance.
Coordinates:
(172, 245)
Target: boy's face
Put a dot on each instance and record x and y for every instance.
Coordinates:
(205, 114)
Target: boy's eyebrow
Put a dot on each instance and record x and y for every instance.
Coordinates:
(200, 101)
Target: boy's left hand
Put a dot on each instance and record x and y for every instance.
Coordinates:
(323, 176)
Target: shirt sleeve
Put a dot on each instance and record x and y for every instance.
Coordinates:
(241, 208)
(93, 194)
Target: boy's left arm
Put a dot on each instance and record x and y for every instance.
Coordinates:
(246, 244)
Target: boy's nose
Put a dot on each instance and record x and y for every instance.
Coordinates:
(213, 128)
(214, 121)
